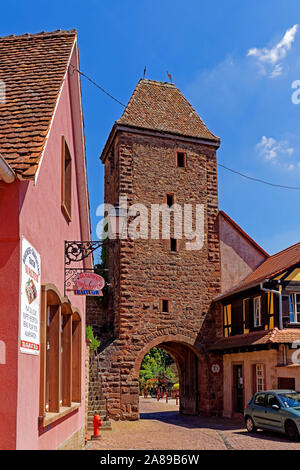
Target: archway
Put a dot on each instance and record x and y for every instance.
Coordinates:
(192, 371)
(159, 375)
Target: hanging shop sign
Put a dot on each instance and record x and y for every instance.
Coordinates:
(88, 284)
(30, 299)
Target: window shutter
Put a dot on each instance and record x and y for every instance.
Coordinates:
(251, 314)
(246, 312)
(227, 320)
(270, 310)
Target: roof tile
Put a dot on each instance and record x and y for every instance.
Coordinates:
(161, 106)
(32, 67)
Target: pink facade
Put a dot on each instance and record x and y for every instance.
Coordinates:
(33, 210)
(240, 255)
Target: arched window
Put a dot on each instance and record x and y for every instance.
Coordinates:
(60, 375)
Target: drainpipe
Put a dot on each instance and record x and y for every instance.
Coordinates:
(6, 173)
(280, 302)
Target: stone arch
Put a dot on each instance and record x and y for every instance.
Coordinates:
(192, 369)
(163, 338)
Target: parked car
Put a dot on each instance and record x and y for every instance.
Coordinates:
(275, 410)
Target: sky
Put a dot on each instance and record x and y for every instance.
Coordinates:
(235, 61)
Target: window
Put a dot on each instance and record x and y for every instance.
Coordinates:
(173, 244)
(60, 374)
(257, 311)
(294, 308)
(246, 309)
(260, 399)
(66, 181)
(170, 200)
(260, 377)
(165, 306)
(181, 159)
(272, 400)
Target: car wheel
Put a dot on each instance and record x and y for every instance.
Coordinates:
(292, 431)
(250, 426)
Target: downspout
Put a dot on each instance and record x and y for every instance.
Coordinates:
(280, 302)
(6, 173)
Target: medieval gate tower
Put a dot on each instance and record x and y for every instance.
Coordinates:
(160, 152)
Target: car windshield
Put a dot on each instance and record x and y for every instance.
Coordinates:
(290, 400)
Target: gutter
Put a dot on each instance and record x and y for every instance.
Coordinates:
(280, 302)
(6, 173)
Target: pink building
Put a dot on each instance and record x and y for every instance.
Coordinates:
(43, 202)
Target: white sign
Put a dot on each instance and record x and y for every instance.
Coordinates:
(30, 299)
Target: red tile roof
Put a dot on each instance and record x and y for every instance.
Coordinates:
(161, 106)
(32, 67)
(257, 338)
(269, 268)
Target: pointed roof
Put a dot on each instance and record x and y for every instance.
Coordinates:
(32, 69)
(272, 266)
(162, 107)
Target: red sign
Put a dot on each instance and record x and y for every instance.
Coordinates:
(88, 284)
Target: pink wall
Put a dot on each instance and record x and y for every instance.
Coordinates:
(239, 257)
(43, 224)
(9, 307)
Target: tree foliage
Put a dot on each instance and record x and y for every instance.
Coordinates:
(157, 362)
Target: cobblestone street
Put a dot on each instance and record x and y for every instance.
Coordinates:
(162, 427)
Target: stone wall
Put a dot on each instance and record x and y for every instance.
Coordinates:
(142, 272)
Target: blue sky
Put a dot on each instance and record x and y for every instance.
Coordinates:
(235, 61)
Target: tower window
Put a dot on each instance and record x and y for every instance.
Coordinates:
(170, 200)
(165, 306)
(181, 159)
(173, 244)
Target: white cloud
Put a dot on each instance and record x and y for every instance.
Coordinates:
(276, 151)
(270, 57)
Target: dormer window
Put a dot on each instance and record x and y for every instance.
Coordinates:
(66, 181)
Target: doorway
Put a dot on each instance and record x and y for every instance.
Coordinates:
(238, 388)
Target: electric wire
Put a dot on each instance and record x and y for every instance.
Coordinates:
(258, 180)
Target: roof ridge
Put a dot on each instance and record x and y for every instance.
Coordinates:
(58, 32)
(157, 82)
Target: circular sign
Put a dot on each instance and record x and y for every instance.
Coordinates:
(215, 368)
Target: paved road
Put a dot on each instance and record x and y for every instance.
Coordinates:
(162, 427)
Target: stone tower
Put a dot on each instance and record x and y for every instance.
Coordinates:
(160, 152)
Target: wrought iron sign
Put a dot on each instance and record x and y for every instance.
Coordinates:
(75, 252)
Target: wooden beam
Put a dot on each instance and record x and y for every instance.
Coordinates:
(43, 345)
(76, 361)
(66, 360)
(54, 338)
